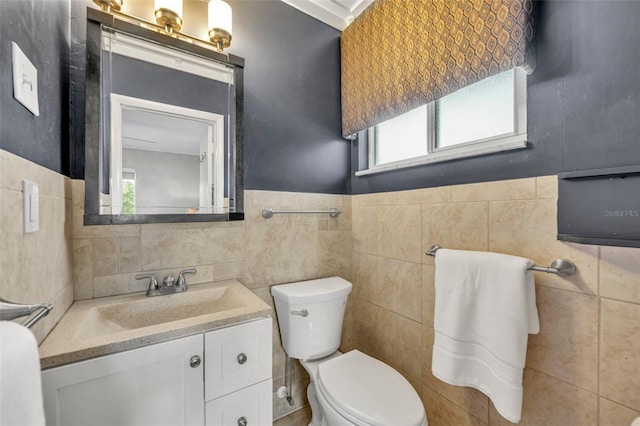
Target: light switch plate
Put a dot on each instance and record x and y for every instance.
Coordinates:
(31, 206)
(25, 80)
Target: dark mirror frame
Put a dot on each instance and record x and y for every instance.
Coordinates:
(95, 20)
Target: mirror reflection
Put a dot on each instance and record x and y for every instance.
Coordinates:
(167, 129)
(170, 157)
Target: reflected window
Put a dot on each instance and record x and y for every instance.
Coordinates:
(177, 154)
(128, 191)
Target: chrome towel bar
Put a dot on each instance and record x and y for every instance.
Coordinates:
(560, 267)
(268, 213)
(10, 311)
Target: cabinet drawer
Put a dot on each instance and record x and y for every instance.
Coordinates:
(237, 357)
(251, 406)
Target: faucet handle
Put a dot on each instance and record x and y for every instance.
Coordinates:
(168, 281)
(153, 281)
(182, 282)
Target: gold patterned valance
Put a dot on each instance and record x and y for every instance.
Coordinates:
(401, 54)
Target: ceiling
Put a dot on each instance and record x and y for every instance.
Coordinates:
(337, 13)
(150, 131)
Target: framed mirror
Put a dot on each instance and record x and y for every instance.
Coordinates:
(163, 127)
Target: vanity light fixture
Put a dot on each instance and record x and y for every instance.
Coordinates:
(169, 14)
(109, 5)
(220, 24)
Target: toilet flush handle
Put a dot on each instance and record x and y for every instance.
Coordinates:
(303, 312)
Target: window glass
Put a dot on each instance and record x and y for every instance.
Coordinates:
(402, 137)
(485, 117)
(479, 111)
(128, 191)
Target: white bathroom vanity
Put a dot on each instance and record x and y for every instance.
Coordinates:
(210, 369)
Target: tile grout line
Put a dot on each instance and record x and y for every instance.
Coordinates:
(458, 406)
(489, 248)
(618, 300)
(618, 403)
(51, 196)
(563, 381)
(488, 225)
(599, 337)
(567, 290)
(422, 286)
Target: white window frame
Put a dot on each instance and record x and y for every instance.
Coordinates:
(215, 143)
(500, 143)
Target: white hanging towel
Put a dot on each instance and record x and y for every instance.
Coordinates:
(485, 308)
(20, 388)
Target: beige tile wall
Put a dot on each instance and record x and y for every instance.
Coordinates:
(107, 258)
(584, 366)
(256, 251)
(36, 267)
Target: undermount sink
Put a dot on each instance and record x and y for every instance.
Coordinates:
(140, 311)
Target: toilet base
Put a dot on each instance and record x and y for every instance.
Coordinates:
(322, 414)
(316, 412)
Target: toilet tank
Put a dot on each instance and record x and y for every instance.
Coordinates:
(310, 315)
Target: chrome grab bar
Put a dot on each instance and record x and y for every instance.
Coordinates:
(560, 267)
(10, 311)
(268, 213)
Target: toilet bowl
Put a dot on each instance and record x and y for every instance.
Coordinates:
(351, 389)
(356, 389)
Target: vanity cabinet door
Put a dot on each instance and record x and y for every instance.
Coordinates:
(153, 385)
(252, 406)
(237, 357)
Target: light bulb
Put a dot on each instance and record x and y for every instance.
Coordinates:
(220, 16)
(173, 5)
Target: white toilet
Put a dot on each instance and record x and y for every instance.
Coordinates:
(346, 389)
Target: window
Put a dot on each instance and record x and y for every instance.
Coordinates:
(128, 191)
(483, 118)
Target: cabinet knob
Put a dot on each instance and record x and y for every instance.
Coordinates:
(242, 358)
(242, 421)
(194, 362)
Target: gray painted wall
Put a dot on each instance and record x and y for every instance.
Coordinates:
(292, 99)
(292, 92)
(583, 98)
(41, 29)
(139, 79)
(583, 102)
(164, 179)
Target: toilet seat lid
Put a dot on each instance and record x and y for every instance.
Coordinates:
(370, 391)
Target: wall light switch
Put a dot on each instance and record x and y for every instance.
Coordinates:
(25, 80)
(31, 204)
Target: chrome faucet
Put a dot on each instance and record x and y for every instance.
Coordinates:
(169, 286)
(181, 285)
(154, 288)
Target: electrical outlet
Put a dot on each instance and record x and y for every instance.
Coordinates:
(25, 80)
